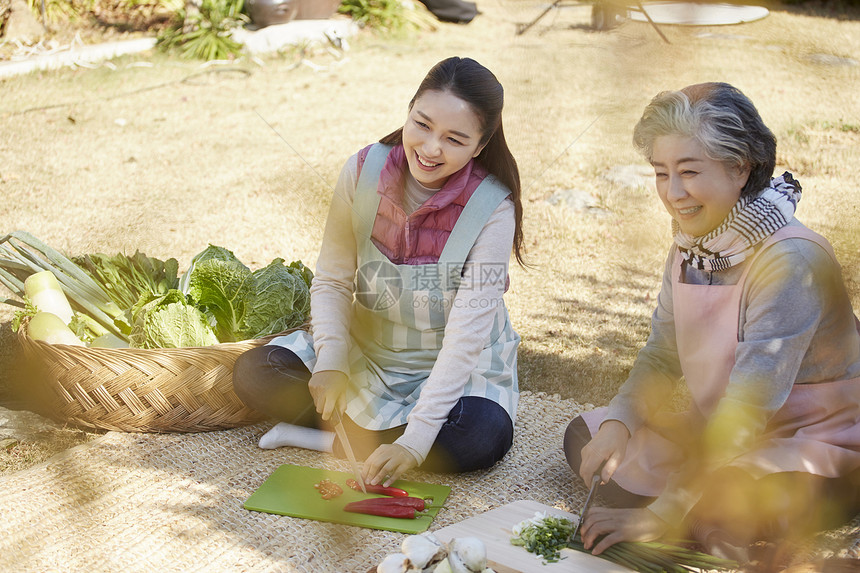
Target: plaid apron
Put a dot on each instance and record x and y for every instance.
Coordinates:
(400, 313)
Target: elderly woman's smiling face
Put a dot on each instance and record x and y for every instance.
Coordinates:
(697, 191)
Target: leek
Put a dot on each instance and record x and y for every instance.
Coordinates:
(22, 254)
(12, 302)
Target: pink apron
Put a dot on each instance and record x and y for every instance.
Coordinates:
(817, 430)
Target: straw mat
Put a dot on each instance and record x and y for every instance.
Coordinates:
(130, 502)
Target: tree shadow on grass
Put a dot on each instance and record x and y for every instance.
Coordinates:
(587, 352)
(837, 10)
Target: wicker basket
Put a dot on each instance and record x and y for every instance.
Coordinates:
(141, 390)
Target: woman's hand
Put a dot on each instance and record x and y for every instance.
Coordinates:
(328, 389)
(615, 525)
(387, 463)
(608, 445)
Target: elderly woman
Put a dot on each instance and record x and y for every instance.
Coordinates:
(753, 314)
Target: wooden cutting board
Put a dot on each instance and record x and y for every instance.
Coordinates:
(494, 529)
(290, 491)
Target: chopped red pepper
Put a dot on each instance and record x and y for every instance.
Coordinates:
(328, 489)
(380, 489)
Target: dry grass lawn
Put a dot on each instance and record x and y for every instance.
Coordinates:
(168, 157)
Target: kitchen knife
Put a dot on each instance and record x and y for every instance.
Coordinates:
(595, 480)
(347, 449)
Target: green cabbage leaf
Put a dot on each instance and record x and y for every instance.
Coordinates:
(246, 304)
(282, 301)
(169, 321)
(221, 285)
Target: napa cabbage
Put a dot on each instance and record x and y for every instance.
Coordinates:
(169, 321)
(221, 285)
(246, 304)
(282, 300)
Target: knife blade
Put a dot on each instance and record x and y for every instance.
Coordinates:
(347, 448)
(595, 480)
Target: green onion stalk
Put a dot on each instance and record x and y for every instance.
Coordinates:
(546, 536)
(22, 254)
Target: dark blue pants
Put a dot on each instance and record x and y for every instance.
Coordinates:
(575, 438)
(273, 380)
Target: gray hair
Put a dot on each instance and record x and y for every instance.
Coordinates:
(724, 122)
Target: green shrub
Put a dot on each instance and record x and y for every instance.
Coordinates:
(386, 16)
(61, 10)
(206, 34)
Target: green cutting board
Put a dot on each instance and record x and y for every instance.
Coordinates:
(290, 491)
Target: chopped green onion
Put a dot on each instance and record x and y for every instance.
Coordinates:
(546, 535)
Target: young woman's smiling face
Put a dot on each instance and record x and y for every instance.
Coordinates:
(440, 136)
(697, 191)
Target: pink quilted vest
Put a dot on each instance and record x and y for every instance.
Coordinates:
(419, 238)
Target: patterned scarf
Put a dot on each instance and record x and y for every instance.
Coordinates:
(751, 220)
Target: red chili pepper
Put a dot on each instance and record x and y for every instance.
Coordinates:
(383, 510)
(414, 502)
(381, 489)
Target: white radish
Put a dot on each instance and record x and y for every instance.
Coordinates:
(44, 291)
(50, 328)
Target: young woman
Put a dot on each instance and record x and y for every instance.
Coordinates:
(411, 339)
(754, 315)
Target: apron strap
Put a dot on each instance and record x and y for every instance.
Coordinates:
(366, 200)
(481, 205)
(791, 232)
(804, 232)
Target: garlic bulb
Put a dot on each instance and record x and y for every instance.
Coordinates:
(470, 552)
(455, 562)
(429, 535)
(422, 551)
(426, 554)
(394, 563)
